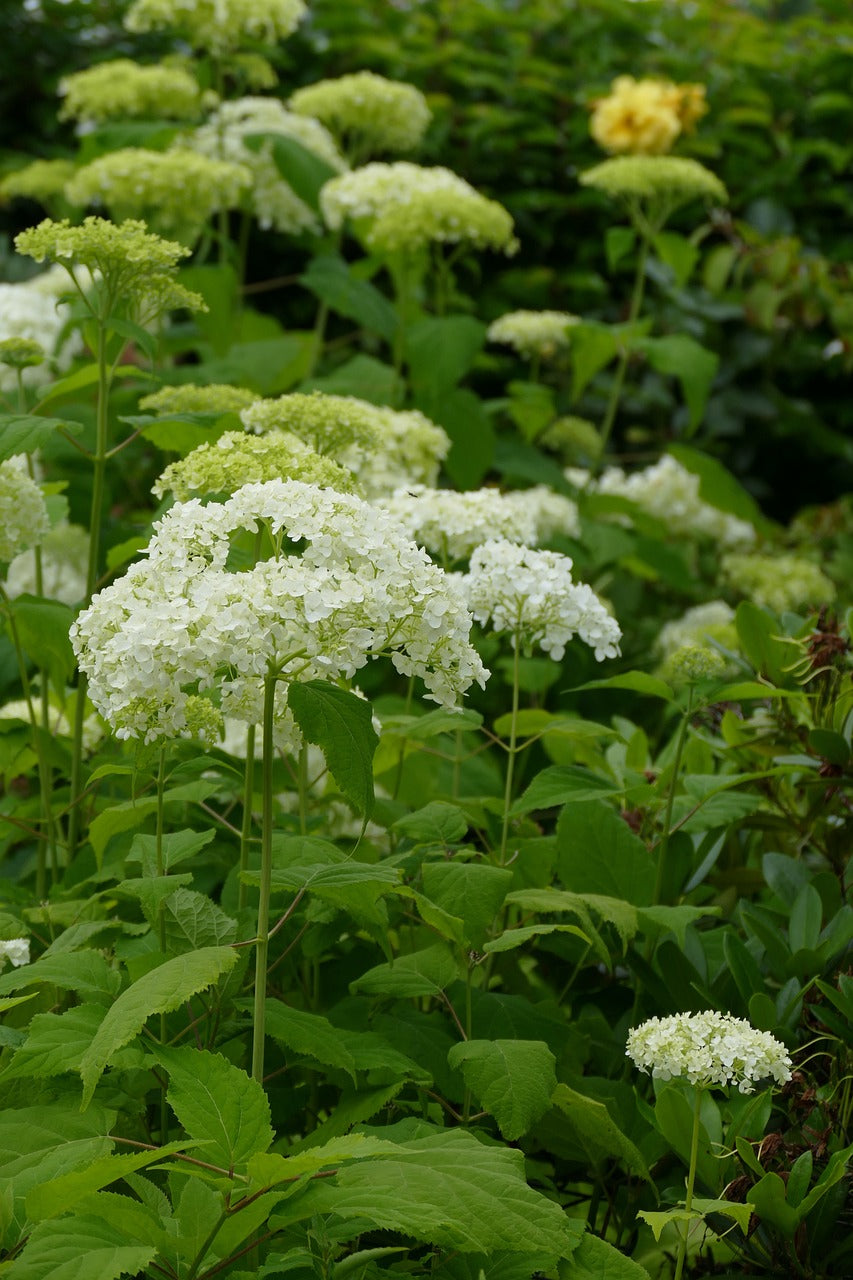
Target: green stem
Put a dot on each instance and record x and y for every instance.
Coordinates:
(303, 789)
(246, 829)
(262, 940)
(205, 1246)
(619, 378)
(466, 1104)
(663, 846)
(161, 921)
(691, 1179)
(99, 461)
(513, 734)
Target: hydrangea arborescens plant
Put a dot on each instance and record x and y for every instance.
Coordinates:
(238, 458)
(181, 626)
(218, 25)
(23, 515)
(451, 525)
(533, 334)
(368, 113)
(122, 89)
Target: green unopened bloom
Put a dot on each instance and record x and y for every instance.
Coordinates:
(237, 458)
(122, 89)
(367, 113)
(42, 180)
(128, 264)
(21, 353)
(216, 397)
(175, 191)
(218, 25)
(653, 187)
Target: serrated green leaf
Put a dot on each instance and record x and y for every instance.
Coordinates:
(440, 350)
(67, 387)
(658, 1219)
(217, 1104)
(598, 853)
(86, 972)
(26, 432)
(54, 1198)
(269, 1169)
(421, 973)
(471, 891)
(193, 921)
(176, 846)
(132, 813)
(596, 1131)
(79, 1246)
(680, 356)
(55, 1043)
(562, 784)
(595, 1259)
(593, 347)
(332, 281)
(308, 1034)
(633, 682)
(159, 991)
(517, 937)
(436, 823)
(511, 1079)
(341, 725)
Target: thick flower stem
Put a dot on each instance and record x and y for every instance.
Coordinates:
(262, 940)
(513, 750)
(99, 463)
(691, 1179)
(616, 388)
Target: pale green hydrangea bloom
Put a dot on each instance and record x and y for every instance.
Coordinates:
(334, 425)
(23, 514)
(125, 261)
(653, 187)
(451, 524)
(540, 334)
(218, 25)
(778, 582)
(122, 89)
(708, 1049)
(670, 492)
(176, 192)
(270, 199)
(695, 662)
(42, 180)
(530, 594)
(404, 206)
(181, 625)
(64, 560)
(687, 644)
(216, 397)
(238, 458)
(367, 113)
(21, 353)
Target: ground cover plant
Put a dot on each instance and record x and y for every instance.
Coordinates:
(425, 728)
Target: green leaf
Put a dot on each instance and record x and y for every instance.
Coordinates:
(618, 243)
(421, 973)
(465, 419)
(560, 784)
(597, 852)
(678, 253)
(192, 920)
(132, 813)
(682, 357)
(531, 407)
(301, 169)
(622, 915)
(176, 847)
(310, 1035)
(658, 1219)
(219, 287)
(805, 921)
(633, 681)
(180, 433)
(719, 488)
(86, 972)
(595, 1259)
(217, 1104)
(364, 377)
(758, 635)
(341, 724)
(511, 1079)
(331, 279)
(452, 1191)
(770, 1203)
(471, 891)
(593, 347)
(271, 1169)
(595, 1130)
(54, 1198)
(79, 1246)
(42, 627)
(68, 387)
(159, 991)
(25, 432)
(513, 938)
(436, 823)
(440, 350)
(830, 746)
(55, 1043)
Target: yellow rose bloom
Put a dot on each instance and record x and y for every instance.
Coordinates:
(645, 117)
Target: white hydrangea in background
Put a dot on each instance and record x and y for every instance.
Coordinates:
(183, 641)
(16, 951)
(218, 25)
(777, 581)
(24, 520)
(541, 334)
(271, 198)
(553, 514)
(64, 564)
(366, 112)
(530, 594)
(60, 717)
(30, 309)
(670, 492)
(708, 1049)
(451, 524)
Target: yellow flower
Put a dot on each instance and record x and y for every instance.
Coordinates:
(645, 117)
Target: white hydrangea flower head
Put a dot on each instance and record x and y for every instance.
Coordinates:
(553, 514)
(270, 199)
(30, 310)
(182, 632)
(121, 89)
(16, 951)
(777, 581)
(237, 458)
(64, 564)
(531, 595)
(410, 452)
(60, 720)
(451, 524)
(176, 191)
(674, 179)
(670, 492)
(404, 206)
(369, 114)
(24, 520)
(534, 334)
(218, 25)
(709, 1049)
(216, 397)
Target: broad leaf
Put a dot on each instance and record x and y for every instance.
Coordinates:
(308, 1034)
(218, 1105)
(595, 1130)
(511, 1079)
(595, 1259)
(86, 972)
(682, 357)
(333, 282)
(80, 1246)
(341, 724)
(55, 1043)
(421, 973)
(440, 350)
(26, 432)
(159, 991)
(42, 627)
(597, 852)
(54, 1198)
(559, 784)
(471, 891)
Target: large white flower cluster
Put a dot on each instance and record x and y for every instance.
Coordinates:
(451, 524)
(23, 514)
(218, 25)
(670, 492)
(406, 206)
(708, 1049)
(553, 514)
(31, 310)
(184, 639)
(367, 112)
(531, 595)
(271, 199)
(540, 334)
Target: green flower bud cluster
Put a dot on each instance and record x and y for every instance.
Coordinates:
(237, 458)
(218, 25)
(217, 397)
(687, 644)
(653, 187)
(271, 199)
(122, 89)
(533, 333)
(21, 353)
(405, 207)
(41, 180)
(777, 582)
(127, 262)
(366, 112)
(329, 424)
(175, 191)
